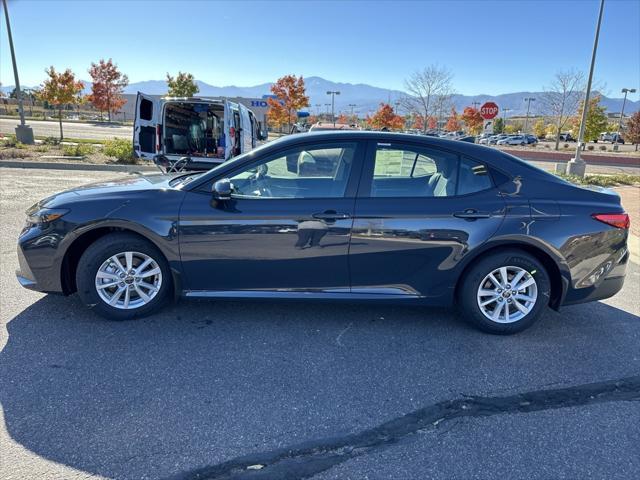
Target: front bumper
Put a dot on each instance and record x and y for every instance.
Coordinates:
(40, 260)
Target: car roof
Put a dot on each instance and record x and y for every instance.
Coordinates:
(471, 149)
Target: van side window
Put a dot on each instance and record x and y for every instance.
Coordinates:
(146, 109)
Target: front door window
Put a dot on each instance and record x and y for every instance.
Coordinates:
(300, 172)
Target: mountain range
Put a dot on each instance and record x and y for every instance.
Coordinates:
(366, 97)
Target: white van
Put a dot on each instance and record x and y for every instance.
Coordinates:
(205, 131)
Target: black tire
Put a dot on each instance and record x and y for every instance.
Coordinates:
(468, 290)
(101, 250)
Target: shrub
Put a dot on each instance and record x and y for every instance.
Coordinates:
(121, 149)
(51, 141)
(603, 148)
(566, 145)
(10, 142)
(12, 153)
(590, 147)
(78, 150)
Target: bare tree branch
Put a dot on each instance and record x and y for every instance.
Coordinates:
(428, 92)
(561, 98)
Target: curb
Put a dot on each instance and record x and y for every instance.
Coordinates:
(633, 243)
(79, 166)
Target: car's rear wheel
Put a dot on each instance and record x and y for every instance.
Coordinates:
(505, 292)
(123, 276)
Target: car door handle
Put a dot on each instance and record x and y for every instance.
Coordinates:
(330, 215)
(472, 214)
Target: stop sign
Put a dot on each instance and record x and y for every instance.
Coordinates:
(489, 110)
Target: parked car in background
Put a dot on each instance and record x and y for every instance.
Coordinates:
(566, 137)
(513, 140)
(531, 139)
(326, 126)
(495, 138)
(612, 137)
(343, 216)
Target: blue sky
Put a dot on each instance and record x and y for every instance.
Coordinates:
(492, 47)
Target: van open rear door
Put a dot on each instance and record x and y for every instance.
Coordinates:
(246, 130)
(227, 124)
(146, 137)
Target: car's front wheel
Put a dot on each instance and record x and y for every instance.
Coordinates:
(123, 276)
(505, 292)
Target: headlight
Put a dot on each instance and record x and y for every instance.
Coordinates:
(44, 215)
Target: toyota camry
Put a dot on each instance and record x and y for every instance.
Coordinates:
(343, 216)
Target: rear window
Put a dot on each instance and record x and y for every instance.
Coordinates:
(146, 109)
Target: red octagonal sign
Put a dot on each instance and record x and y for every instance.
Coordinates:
(489, 110)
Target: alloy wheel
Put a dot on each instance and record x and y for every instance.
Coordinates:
(128, 280)
(507, 294)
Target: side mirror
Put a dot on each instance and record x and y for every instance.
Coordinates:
(263, 134)
(222, 189)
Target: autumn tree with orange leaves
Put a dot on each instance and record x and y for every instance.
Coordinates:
(290, 96)
(453, 123)
(107, 87)
(432, 123)
(386, 119)
(418, 122)
(343, 119)
(61, 89)
(473, 120)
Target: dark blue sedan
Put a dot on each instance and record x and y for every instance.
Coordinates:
(352, 216)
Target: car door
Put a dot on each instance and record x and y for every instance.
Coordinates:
(286, 228)
(419, 211)
(245, 129)
(146, 140)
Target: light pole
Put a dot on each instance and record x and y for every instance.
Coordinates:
(625, 91)
(318, 105)
(353, 105)
(577, 166)
(333, 94)
(504, 117)
(24, 133)
(327, 105)
(526, 118)
(475, 105)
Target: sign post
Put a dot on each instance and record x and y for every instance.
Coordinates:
(488, 111)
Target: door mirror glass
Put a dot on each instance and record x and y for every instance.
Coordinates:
(222, 189)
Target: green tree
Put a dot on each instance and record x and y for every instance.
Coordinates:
(61, 89)
(632, 130)
(596, 121)
(498, 125)
(182, 85)
(514, 127)
(539, 128)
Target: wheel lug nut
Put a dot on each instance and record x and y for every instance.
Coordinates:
(122, 284)
(509, 300)
(513, 292)
(499, 290)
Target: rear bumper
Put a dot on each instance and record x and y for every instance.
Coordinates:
(608, 288)
(605, 287)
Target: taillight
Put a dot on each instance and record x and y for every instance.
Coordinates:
(618, 220)
(158, 139)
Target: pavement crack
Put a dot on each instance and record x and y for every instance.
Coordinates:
(310, 458)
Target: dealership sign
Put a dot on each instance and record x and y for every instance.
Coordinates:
(489, 110)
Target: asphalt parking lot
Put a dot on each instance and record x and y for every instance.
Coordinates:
(289, 390)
